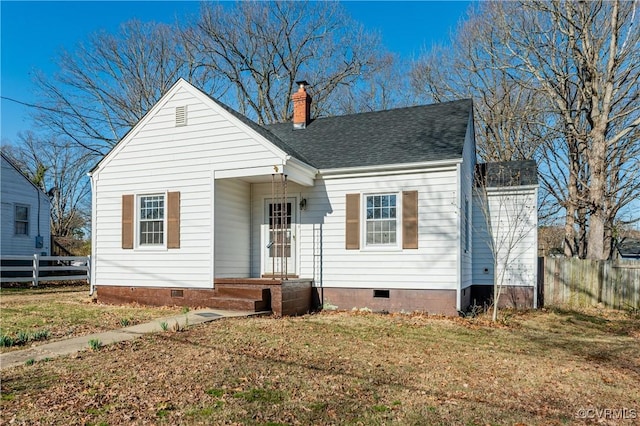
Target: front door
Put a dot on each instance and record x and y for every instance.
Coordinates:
(279, 237)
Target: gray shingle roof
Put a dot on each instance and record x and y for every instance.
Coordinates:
(404, 135)
(629, 248)
(507, 173)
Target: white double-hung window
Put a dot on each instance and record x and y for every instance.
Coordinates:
(21, 214)
(151, 220)
(381, 216)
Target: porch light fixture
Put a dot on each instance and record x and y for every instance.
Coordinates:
(303, 204)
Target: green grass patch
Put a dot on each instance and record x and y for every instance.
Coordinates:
(217, 393)
(269, 396)
(43, 313)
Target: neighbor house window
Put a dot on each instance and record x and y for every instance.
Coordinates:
(21, 220)
(151, 220)
(381, 220)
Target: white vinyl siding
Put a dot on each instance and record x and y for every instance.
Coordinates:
(16, 191)
(514, 215)
(321, 234)
(232, 228)
(158, 157)
(466, 245)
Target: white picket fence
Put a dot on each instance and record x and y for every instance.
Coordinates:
(61, 265)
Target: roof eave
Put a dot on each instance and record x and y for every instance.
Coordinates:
(383, 168)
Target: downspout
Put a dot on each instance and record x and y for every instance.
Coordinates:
(535, 253)
(459, 238)
(92, 259)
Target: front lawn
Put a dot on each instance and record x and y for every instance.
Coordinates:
(57, 311)
(546, 367)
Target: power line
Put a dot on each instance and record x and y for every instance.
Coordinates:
(31, 105)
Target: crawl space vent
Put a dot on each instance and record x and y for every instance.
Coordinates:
(382, 294)
(181, 116)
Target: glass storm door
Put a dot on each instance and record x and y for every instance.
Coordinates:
(280, 239)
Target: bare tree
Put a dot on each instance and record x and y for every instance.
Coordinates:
(107, 85)
(507, 115)
(508, 226)
(558, 79)
(388, 87)
(261, 48)
(59, 168)
(584, 57)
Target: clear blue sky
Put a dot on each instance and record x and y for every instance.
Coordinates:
(34, 32)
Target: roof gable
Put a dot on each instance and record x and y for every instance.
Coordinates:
(260, 135)
(403, 135)
(17, 169)
(428, 133)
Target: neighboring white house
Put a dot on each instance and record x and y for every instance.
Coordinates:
(374, 209)
(25, 228)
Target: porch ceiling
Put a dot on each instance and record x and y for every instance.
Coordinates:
(304, 177)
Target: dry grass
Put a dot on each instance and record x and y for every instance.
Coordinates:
(66, 311)
(346, 368)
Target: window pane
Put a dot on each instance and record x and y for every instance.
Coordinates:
(22, 228)
(151, 220)
(381, 220)
(22, 213)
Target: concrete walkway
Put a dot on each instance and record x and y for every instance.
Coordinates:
(77, 344)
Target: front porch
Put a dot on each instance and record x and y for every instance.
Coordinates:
(282, 297)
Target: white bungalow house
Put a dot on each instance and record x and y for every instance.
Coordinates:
(198, 205)
(25, 228)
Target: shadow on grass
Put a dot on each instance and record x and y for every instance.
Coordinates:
(607, 339)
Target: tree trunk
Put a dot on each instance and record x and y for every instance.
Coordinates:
(598, 217)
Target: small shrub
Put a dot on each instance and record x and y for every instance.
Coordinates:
(40, 335)
(185, 309)
(124, 322)
(380, 408)
(95, 344)
(30, 361)
(6, 341)
(164, 326)
(22, 337)
(472, 311)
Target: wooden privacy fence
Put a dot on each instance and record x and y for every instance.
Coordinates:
(39, 268)
(581, 283)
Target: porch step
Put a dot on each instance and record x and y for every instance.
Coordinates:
(232, 292)
(242, 304)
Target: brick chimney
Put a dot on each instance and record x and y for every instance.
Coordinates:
(301, 106)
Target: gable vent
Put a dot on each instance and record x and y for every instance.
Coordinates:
(181, 116)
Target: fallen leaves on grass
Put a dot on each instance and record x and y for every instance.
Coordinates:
(334, 368)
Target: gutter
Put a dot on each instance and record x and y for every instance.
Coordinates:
(389, 168)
